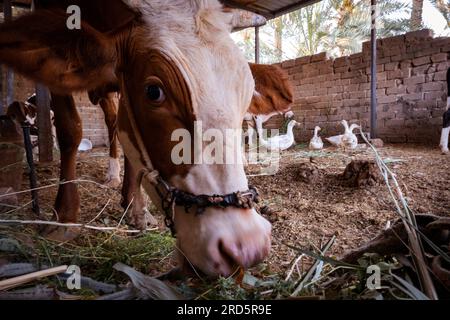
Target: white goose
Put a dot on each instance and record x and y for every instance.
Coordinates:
(346, 140)
(316, 142)
(280, 142)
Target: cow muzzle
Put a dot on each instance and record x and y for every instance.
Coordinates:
(220, 241)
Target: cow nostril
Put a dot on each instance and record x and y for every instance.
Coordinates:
(230, 258)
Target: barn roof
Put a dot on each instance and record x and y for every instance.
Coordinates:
(269, 8)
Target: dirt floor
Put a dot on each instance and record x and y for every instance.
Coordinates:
(305, 214)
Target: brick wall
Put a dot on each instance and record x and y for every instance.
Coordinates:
(94, 127)
(412, 90)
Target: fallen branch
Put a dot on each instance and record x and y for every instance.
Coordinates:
(18, 281)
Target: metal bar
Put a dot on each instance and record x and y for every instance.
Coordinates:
(257, 45)
(44, 124)
(30, 161)
(373, 96)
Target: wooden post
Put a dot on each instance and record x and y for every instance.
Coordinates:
(44, 124)
(7, 10)
(257, 50)
(2, 102)
(373, 96)
(243, 19)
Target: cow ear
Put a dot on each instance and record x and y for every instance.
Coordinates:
(42, 47)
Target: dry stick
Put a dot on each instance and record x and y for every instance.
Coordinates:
(73, 225)
(101, 212)
(408, 221)
(55, 185)
(294, 265)
(313, 268)
(18, 281)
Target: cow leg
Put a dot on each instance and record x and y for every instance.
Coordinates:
(133, 200)
(69, 131)
(110, 111)
(444, 140)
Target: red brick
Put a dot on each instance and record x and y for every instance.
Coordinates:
(395, 123)
(413, 96)
(341, 69)
(303, 60)
(414, 88)
(351, 88)
(288, 64)
(440, 57)
(435, 95)
(391, 66)
(387, 99)
(414, 80)
(323, 56)
(426, 52)
(336, 89)
(396, 90)
(443, 66)
(386, 84)
(295, 70)
(433, 86)
(419, 35)
(351, 102)
(440, 76)
(341, 62)
(421, 61)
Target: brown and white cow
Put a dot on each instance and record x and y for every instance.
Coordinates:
(176, 63)
(273, 96)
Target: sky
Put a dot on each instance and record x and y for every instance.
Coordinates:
(433, 19)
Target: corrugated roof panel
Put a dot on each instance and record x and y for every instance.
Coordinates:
(269, 8)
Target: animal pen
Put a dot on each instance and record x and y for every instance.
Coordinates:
(373, 199)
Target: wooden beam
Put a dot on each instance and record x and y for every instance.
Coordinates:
(2, 100)
(44, 124)
(7, 11)
(243, 19)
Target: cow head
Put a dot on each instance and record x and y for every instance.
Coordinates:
(177, 65)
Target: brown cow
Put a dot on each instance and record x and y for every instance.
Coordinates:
(273, 96)
(174, 60)
(273, 91)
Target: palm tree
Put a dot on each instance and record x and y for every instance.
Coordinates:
(336, 26)
(416, 15)
(443, 8)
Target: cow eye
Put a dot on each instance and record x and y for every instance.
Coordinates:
(155, 93)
